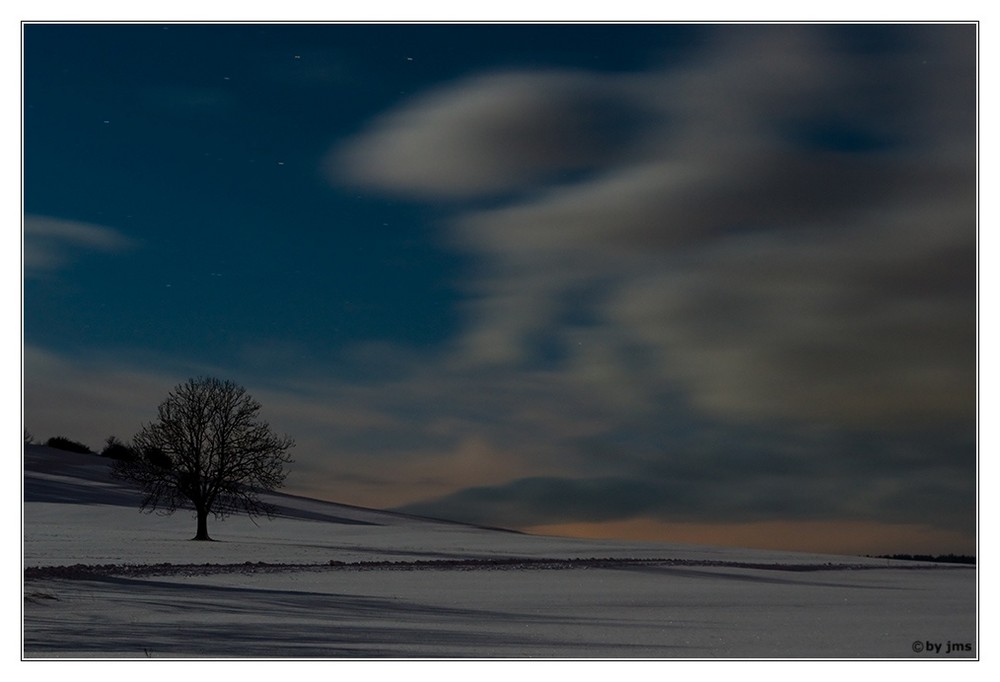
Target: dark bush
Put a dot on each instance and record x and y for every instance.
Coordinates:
(115, 449)
(61, 443)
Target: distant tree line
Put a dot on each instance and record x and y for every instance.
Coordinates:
(61, 443)
(939, 558)
(113, 447)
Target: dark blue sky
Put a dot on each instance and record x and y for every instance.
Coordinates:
(203, 144)
(680, 281)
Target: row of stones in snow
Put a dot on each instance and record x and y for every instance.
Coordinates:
(82, 571)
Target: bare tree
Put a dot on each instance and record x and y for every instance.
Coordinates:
(206, 451)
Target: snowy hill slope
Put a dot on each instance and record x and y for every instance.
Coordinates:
(328, 580)
(105, 526)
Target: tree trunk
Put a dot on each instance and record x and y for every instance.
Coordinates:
(202, 526)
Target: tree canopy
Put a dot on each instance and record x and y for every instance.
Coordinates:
(209, 451)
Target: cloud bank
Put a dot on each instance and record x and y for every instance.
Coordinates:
(777, 235)
(786, 231)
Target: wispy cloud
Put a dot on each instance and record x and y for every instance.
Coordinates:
(780, 240)
(51, 243)
(788, 233)
(490, 135)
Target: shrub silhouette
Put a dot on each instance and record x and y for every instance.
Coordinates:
(115, 449)
(61, 443)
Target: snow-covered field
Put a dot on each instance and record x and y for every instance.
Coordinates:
(331, 581)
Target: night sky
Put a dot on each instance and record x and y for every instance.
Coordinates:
(694, 283)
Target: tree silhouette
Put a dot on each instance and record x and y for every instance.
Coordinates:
(207, 451)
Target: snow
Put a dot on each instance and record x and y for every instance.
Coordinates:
(332, 581)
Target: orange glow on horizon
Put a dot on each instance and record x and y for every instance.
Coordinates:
(827, 537)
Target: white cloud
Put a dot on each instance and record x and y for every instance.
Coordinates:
(487, 135)
(790, 233)
(52, 243)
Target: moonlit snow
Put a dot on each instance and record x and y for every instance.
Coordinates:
(330, 581)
